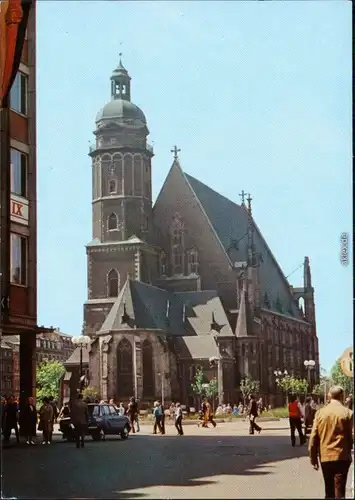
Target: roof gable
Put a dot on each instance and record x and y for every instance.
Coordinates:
(230, 222)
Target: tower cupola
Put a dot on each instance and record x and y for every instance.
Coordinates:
(121, 83)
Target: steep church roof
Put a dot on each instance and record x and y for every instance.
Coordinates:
(144, 306)
(230, 223)
(199, 347)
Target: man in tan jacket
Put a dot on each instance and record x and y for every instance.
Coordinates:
(331, 440)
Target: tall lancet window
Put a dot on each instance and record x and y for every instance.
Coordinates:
(163, 264)
(192, 261)
(113, 283)
(177, 245)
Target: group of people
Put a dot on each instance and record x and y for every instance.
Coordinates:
(29, 420)
(175, 412)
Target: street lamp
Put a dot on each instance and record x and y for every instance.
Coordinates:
(309, 365)
(279, 375)
(81, 341)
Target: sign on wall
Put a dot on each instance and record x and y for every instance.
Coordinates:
(19, 210)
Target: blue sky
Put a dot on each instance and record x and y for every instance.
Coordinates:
(256, 94)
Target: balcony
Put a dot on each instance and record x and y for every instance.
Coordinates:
(93, 147)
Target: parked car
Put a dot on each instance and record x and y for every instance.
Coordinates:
(104, 419)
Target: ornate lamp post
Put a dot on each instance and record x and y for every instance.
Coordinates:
(81, 341)
(309, 365)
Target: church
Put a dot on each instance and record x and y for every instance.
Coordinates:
(183, 283)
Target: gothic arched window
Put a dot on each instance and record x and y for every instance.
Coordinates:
(148, 376)
(192, 261)
(177, 245)
(124, 369)
(112, 186)
(112, 224)
(163, 264)
(113, 283)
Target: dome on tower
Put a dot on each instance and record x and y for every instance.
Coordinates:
(121, 106)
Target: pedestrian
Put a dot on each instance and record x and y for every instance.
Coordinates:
(349, 402)
(46, 421)
(80, 419)
(331, 440)
(209, 413)
(29, 421)
(53, 403)
(172, 411)
(11, 420)
(309, 414)
(121, 410)
(178, 419)
(157, 418)
(162, 417)
(65, 411)
(253, 413)
(132, 413)
(295, 418)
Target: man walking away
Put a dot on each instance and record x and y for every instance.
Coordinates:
(162, 417)
(11, 420)
(295, 418)
(157, 418)
(253, 413)
(80, 419)
(332, 440)
(178, 419)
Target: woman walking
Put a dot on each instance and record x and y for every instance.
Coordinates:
(46, 419)
(30, 420)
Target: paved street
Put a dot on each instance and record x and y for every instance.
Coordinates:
(205, 463)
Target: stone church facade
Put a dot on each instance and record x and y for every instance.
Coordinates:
(187, 282)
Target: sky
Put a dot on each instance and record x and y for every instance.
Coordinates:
(257, 95)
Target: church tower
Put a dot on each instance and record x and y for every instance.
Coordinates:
(121, 166)
(122, 223)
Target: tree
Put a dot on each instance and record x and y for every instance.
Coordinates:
(212, 390)
(248, 386)
(299, 386)
(91, 392)
(49, 374)
(292, 385)
(339, 378)
(199, 386)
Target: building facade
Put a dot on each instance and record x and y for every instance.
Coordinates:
(19, 219)
(54, 346)
(187, 282)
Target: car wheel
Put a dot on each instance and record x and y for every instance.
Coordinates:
(125, 433)
(98, 435)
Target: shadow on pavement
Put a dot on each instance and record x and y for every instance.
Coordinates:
(107, 469)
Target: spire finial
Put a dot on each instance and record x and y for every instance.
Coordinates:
(242, 195)
(249, 200)
(175, 150)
